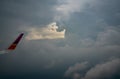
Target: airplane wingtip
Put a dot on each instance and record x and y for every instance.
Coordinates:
(14, 44)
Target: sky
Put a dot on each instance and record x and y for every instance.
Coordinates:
(63, 39)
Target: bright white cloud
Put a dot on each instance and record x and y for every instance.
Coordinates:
(49, 32)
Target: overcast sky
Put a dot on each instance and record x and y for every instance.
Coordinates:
(63, 39)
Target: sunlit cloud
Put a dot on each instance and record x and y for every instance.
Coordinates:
(48, 32)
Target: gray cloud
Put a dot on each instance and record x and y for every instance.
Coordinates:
(64, 9)
(73, 71)
(108, 37)
(106, 70)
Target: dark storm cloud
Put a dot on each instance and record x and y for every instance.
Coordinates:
(29, 11)
(92, 35)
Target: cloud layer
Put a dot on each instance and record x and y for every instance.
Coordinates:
(92, 34)
(73, 71)
(67, 7)
(77, 67)
(106, 70)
